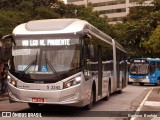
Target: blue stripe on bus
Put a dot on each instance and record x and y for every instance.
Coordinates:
(141, 77)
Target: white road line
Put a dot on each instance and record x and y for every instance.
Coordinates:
(141, 105)
(152, 103)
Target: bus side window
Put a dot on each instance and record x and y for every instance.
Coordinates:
(151, 69)
(90, 64)
(86, 59)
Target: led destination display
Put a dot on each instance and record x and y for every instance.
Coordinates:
(47, 42)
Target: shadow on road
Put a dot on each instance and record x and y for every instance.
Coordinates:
(64, 111)
(68, 111)
(54, 110)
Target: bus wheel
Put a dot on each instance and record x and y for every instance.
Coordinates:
(130, 82)
(108, 93)
(91, 101)
(120, 91)
(33, 105)
(158, 82)
(141, 84)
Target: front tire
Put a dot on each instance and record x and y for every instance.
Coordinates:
(158, 82)
(89, 106)
(33, 105)
(141, 83)
(108, 93)
(130, 83)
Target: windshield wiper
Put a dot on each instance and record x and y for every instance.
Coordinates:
(34, 62)
(50, 65)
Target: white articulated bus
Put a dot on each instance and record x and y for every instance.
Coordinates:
(65, 62)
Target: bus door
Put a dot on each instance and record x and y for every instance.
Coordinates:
(118, 60)
(152, 68)
(100, 70)
(92, 69)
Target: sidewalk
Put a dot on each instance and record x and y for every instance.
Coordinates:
(147, 105)
(3, 96)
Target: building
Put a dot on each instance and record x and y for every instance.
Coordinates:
(65, 1)
(115, 10)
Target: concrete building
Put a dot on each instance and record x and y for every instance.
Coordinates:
(115, 10)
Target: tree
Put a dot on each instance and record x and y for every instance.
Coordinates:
(137, 28)
(25, 10)
(9, 19)
(153, 44)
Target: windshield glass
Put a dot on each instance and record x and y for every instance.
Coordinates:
(139, 68)
(46, 54)
(60, 58)
(23, 58)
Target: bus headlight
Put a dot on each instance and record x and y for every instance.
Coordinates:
(9, 77)
(12, 81)
(72, 82)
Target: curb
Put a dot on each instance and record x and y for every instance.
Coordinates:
(137, 101)
(141, 104)
(4, 98)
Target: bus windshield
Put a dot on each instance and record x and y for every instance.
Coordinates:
(52, 56)
(60, 58)
(139, 68)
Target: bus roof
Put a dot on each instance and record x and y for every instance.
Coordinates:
(61, 26)
(50, 26)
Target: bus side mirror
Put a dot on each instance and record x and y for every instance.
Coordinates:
(9, 37)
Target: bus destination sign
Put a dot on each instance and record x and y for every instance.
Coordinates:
(139, 61)
(44, 42)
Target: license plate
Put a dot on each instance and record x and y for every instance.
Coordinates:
(137, 80)
(38, 100)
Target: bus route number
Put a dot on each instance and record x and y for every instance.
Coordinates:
(139, 61)
(50, 87)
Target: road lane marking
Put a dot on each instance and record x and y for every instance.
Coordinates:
(142, 103)
(152, 103)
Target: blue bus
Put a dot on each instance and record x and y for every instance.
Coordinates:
(145, 70)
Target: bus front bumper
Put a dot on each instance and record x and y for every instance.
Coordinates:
(70, 97)
(142, 80)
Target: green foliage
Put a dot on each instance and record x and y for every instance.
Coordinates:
(153, 44)
(138, 34)
(14, 12)
(9, 19)
(137, 28)
(45, 13)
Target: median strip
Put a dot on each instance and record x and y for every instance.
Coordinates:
(152, 103)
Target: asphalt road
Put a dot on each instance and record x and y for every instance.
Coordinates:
(112, 109)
